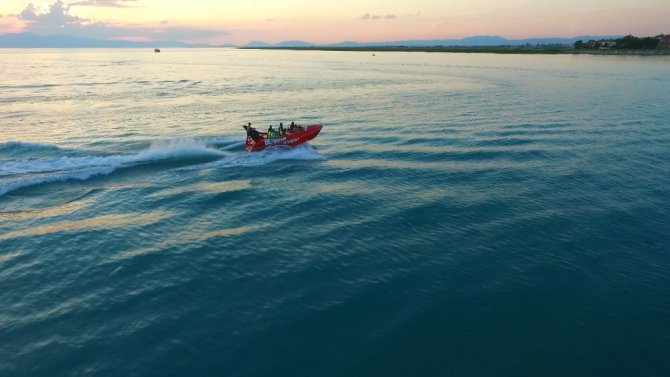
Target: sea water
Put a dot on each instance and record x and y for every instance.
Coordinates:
(459, 214)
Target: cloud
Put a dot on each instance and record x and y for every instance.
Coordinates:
(370, 16)
(58, 20)
(28, 14)
(269, 20)
(104, 3)
(57, 17)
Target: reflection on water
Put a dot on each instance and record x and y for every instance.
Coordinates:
(8, 256)
(101, 222)
(202, 187)
(59, 210)
(173, 243)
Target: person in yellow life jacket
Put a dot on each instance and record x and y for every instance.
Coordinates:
(271, 133)
(281, 131)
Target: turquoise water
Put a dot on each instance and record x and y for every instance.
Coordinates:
(459, 214)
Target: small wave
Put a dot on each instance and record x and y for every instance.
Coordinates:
(18, 148)
(24, 173)
(30, 86)
(12, 185)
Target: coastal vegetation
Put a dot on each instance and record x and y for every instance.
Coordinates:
(629, 42)
(627, 45)
(551, 50)
(492, 49)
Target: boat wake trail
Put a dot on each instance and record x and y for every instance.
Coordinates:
(27, 164)
(243, 158)
(32, 168)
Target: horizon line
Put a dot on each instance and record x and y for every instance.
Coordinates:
(199, 44)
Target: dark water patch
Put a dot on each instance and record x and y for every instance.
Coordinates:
(550, 142)
(397, 157)
(31, 86)
(387, 139)
(103, 146)
(542, 132)
(11, 100)
(534, 126)
(506, 142)
(311, 117)
(172, 81)
(65, 85)
(125, 135)
(437, 139)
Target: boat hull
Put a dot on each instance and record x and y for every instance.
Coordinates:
(290, 139)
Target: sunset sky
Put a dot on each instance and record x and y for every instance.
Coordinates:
(242, 21)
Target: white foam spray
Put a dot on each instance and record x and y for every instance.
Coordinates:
(19, 173)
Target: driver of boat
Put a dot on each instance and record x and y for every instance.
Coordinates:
(251, 132)
(271, 132)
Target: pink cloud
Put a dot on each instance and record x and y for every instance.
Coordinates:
(104, 3)
(370, 16)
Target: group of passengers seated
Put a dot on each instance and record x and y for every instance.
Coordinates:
(272, 133)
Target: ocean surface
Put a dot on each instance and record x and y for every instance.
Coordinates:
(459, 214)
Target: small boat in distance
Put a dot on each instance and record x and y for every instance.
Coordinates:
(157, 50)
(257, 141)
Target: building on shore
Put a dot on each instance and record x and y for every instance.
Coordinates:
(663, 40)
(602, 43)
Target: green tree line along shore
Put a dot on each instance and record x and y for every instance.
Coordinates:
(628, 42)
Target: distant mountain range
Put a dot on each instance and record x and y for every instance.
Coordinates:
(29, 40)
(477, 41)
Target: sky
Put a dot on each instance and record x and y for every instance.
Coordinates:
(325, 21)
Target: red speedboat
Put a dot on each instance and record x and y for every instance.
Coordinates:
(257, 141)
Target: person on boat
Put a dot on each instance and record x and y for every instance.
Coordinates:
(252, 133)
(291, 128)
(281, 130)
(271, 132)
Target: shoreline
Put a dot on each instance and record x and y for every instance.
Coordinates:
(481, 50)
